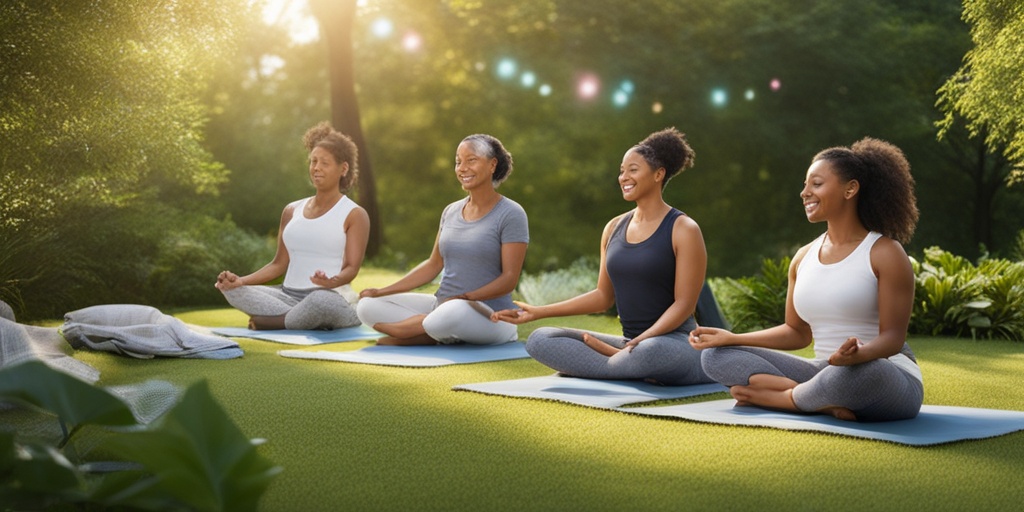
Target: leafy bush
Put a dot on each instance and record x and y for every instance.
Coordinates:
(558, 285)
(147, 254)
(191, 254)
(955, 297)
(1017, 249)
(192, 458)
(756, 302)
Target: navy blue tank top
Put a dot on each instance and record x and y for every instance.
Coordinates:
(643, 275)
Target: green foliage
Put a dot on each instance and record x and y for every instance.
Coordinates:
(955, 297)
(156, 254)
(101, 102)
(995, 65)
(755, 302)
(193, 458)
(102, 121)
(194, 251)
(417, 105)
(1017, 250)
(558, 285)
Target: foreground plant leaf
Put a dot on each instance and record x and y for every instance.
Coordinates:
(198, 455)
(72, 400)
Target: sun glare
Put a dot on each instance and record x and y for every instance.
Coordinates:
(295, 17)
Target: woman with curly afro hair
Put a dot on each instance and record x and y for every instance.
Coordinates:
(320, 247)
(652, 268)
(851, 291)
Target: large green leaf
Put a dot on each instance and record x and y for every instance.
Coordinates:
(72, 400)
(199, 456)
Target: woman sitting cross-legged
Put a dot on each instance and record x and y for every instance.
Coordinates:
(320, 247)
(652, 267)
(851, 291)
(479, 251)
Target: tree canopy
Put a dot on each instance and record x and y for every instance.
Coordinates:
(988, 90)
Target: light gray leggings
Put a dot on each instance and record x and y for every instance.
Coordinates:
(667, 359)
(302, 309)
(877, 390)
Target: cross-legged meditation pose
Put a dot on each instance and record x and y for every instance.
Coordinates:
(652, 267)
(320, 247)
(851, 290)
(479, 251)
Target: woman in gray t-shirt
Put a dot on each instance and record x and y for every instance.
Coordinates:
(479, 252)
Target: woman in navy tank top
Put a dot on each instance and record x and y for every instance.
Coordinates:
(851, 291)
(652, 268)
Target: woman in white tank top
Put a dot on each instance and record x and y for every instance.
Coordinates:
(320, 247)
(851, 292)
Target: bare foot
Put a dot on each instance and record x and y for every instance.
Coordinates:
(841, 413)
(777, 399)
(265, 323)
(422, 339)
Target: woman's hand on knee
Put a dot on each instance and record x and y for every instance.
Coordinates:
(227, 280)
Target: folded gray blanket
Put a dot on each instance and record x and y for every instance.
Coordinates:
(20, 343)
(142, 332)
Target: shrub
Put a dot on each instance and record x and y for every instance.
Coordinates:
(756, 302)
(954, 297)
(558, 285)
(191, 254)
(1017, 250)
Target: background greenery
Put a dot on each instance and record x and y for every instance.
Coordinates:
(144, 147)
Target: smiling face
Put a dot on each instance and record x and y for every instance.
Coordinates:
(472, 168)
(825, 193)
(636, 178)
(324, 170)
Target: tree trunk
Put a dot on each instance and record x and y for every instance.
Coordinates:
(336, 19)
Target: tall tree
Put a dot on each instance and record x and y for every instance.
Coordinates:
(337, 20)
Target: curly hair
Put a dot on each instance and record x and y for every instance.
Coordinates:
(339, 145)
(490, 147)
(886, 202)
(666, 149)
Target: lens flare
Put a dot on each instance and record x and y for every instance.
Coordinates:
(382, 28)
(506, 68)
(620, 98)
(412, 42)
(719, 97)
(588, 87)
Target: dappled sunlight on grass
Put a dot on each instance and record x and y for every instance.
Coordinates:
(377, 437)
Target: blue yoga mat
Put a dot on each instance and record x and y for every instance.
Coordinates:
(297, 337)
(590, 392)
(936, 424)
(417, 356)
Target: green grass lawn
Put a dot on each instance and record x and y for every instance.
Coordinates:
(353, 436)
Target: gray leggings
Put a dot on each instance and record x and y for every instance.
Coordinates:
(877, 390)
(302, 309)
(667, 359)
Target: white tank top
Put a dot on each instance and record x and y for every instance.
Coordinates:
(840, 300)
(317, 244)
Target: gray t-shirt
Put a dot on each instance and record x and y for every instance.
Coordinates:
(472, 250)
